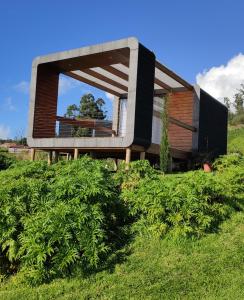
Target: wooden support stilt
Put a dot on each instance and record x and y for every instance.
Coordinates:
(127, 158)
(32, 154)
(67, 156)
(49, 158)
(76, 153)
(142, 155)
(55, 156)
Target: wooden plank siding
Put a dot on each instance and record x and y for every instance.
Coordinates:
(45, 103)
(181, 108)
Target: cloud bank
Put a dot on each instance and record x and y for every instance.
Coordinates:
(223, 81)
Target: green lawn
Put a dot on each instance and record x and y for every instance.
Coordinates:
(236, 140)
(211, 268)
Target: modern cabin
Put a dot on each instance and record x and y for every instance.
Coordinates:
(139, 82)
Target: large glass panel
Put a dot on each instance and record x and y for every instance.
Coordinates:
(122, 117)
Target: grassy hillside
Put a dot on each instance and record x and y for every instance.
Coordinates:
(212, 268)
(236, 140)
(170, 267)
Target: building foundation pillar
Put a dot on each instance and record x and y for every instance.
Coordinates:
(49, 158)
(142, 155)
(76, 153)
(127, 158)
(32, 154)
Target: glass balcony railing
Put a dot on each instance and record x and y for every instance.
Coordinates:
(70, 127)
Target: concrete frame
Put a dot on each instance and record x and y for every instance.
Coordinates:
(74, 142)
(142, 79)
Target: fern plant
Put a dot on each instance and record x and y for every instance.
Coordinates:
(189, 204)
(59, 219)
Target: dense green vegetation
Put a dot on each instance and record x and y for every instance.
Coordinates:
(75, 230)
(6, 160)
(57, 220)
(151, 268)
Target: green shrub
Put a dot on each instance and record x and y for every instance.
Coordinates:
(226, 161)
(5, 159)
(68, 218)
(22, 191)
(237, 119)
(138, 169)
(57, 220)
(190, 204)
(230, 170)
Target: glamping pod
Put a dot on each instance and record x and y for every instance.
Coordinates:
(139, 83)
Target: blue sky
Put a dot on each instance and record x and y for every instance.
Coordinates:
(190, 37)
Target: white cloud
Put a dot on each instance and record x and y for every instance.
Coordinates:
(66, 84)
(9, 104)
(109, 96)
(4, 132)
(223, 81)
(23, 87)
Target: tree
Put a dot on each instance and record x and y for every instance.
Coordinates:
(164, 145)
(89, 108)
(72, 111)
(236, 116)
(228, 104)
(239, 100)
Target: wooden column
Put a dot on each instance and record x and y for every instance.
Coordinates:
(142, 155)
(127, 158)
(76, 153)
(32, 154)
(49, 158)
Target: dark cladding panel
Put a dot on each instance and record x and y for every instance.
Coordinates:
(144, 97)
(212, 126)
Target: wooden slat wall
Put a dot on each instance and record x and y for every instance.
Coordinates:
(181, 108)
(46, 102)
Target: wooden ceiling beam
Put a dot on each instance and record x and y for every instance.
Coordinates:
(105, 79)
(124, 57)
(116, 72)
(92, 83)
(162, 84)
(173, 75)
(93, 60)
